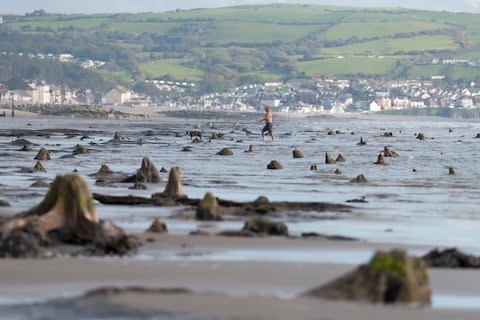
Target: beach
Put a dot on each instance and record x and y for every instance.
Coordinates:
(259, 277)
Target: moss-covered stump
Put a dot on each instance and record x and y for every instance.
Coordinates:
(104, 170)
(157, 227)
(359, 179)
(174, 184)
(313, 167)
(389, 277)
(42, 155)
(297, 154)
(274, 165)
(338, 171)
(261, 206)
(116, 136)
(66, 215)
(265, 227)
(380, 160)
(388, 134)
(340, 158)
(328, 159)
(388, 153)
(39, 167)
(39, 184)
(208, 209)
(68, 209)
(225, 152)
(79, 149)
(451, 171)
(147, 173)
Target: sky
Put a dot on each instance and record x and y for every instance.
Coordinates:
(111, 6)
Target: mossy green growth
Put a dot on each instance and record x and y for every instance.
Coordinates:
(175, 174)
(209, 201)
(274, 165)
(79, 149)
(297, 154)
(174, 184)
(208, 209)
(394, 263)
(74, 193)
(104, 169)
(225, 152)
(42, 155)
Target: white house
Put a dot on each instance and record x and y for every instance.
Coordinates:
(273, 84)
(374, 107)
(41, 94)
(65, 57)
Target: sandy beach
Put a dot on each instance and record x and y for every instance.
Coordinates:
(236, 277)
(223, 289)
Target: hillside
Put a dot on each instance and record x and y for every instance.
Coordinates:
(220, 48)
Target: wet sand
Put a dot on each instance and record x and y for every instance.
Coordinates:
(258, 278)
(224, 289)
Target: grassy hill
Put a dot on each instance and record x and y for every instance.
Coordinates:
(223, 47)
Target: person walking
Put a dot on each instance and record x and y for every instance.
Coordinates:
(268, 128)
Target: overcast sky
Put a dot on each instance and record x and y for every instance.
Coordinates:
(96, 6)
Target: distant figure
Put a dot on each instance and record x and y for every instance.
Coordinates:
(194, 133)
(268, 123)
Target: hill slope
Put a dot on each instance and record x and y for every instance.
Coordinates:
(224, 47)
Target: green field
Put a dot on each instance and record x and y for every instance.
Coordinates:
(464, 73)
(254, 32)
(119, 77)
(352, 65)
(268, 42)
(57, 24)
(288, 14)
(140, 27)
(427, 71)
(363, 30)
(395, 46)
(172, 67)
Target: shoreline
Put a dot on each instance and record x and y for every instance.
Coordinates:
(270, 288)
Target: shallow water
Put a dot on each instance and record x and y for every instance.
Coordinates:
(425, 207)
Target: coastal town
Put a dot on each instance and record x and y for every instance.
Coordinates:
(321, 95)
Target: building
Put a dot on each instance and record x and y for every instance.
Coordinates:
(118, 96)
(41, 94)
(374, 107)
(65, 57)
(1, 20)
